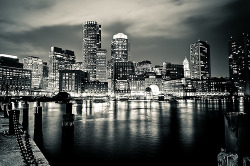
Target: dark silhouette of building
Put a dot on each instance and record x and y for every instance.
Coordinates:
(239, 62)
(174, 71)
(122, 73)
(73, 81)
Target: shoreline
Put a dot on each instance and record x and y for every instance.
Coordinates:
(9, 150)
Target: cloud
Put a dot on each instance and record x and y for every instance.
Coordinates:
(163, 28)
(37, 42)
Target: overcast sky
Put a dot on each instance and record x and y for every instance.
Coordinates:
(159, 30)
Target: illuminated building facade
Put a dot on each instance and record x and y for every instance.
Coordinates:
(101, 65)
(120, 50)
(186, 68)
(91, 43)
(96, 88)
(72, 81)
(200, 60)
(154, 80)
(137, 86)
(34, 64)
(14, 80)
(58, 60)
(239, 62)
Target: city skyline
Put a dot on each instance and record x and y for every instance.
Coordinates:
(31, 28)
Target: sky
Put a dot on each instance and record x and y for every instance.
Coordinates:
(159, 30)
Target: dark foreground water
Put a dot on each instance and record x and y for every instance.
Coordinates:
(134, 132)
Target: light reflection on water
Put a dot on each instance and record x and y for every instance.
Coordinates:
(135, 131)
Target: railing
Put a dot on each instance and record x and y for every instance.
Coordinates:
(25, 148)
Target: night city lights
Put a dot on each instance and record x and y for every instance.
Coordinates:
(125, 82)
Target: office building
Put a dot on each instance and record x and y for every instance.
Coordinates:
(72, 81)
(120, 50)
(122, 73)
(200, 60)
(91, 43)
(239, 62)
(14, 80)
(122, 70)
(35, 64)
(58, 60)
(96, 88)
(101, 65)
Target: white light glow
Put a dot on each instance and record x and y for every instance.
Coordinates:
(8, 56)
(120, 36)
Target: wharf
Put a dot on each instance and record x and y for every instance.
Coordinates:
(9, 150)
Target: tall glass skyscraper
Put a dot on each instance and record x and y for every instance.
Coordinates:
(91, 43)
(200, 60)
(239, 62)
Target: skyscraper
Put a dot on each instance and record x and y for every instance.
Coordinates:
(186, 68)
(101, 65)
(91, 43)
(239, 62)
(58, 60)
(120, 50)
(200, 60)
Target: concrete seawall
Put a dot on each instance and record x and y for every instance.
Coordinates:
(9, 150)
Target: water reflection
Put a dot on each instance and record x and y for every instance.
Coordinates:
(131, 131)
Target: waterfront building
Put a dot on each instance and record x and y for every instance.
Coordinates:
(186, 68)
(35, 64)
(96, 88)
(154, 80)
(137, 86)
(122, 72)
(239, 62)
(72, 81)
(91, 43)
(200, 60)
(101, 65)
(58, 60)
(173, 87)
(14, 80)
